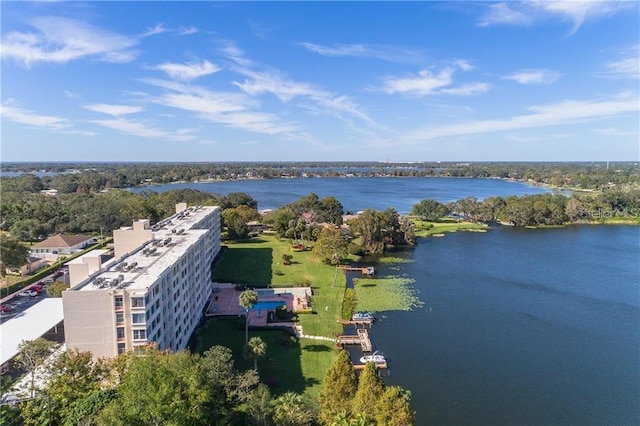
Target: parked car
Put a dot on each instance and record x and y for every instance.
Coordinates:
(4, 309)
(37, 288)
(47, 281)
(28, 293)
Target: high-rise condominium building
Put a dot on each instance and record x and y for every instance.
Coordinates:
(154, 290)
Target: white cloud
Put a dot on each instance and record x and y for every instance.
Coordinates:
(503, 13)
(612, 131)
(376, 51)
(141, 129)
(540, 76)
(427, 83)
(21, 115)
(62, 40)
(115, 110)
(158, 29)
(230, 109)
(565, 112)
(187, 30)
(71, 94)
(188, 71)
(627, 65)
(286, 90)
(527, 13)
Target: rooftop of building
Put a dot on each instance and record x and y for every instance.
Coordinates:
(139, 269)
(62, 240)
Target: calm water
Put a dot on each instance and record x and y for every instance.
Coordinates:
(357, 194)
(521, 327)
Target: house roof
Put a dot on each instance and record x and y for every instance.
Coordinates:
(63, 240)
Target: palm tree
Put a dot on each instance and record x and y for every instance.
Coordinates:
(291, 410)
(247, 299)
(254, 349)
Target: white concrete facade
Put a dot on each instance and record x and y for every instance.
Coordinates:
(153, 292)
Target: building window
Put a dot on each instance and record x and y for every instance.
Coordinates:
(137, 302)
(118, 302)
(138, 318)
(139, 334)
(122, 348)
(119, 317)
(120, 333)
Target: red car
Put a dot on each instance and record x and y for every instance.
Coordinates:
(37, 288)
(4, 309)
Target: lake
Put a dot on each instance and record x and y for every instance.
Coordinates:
(519, 326)
(527, 327)
(357, 193)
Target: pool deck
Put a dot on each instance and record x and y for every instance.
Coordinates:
(225, 302)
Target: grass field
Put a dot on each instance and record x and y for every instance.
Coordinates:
(300, 367)
(258, 263)
(426, 229)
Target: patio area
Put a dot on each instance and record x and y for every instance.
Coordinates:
(225, 301)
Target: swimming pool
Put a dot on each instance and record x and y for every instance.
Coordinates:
(267, 305)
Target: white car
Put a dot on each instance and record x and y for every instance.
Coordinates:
(28, 293)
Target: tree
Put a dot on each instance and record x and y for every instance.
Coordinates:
(29, 230)
(31, 354)
(162, 388)
(331, 246)
(254, 349)
(56, 288)
(331, 210)
(259, 406)
(72, 376)
(229, 388)
(370, 389)
(12, 253)
(339, 387)
(247, 299)
(290, 409)
(86, 410)
(430, 210)
(393, 407)
(370, 225)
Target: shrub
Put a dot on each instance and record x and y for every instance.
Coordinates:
(349, 303)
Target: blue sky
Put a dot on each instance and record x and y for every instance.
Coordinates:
(320, 81)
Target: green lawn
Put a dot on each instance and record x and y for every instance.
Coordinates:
(258, 263)
(426, 229)
(300, 367)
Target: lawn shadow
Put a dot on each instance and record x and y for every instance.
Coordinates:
(317, 348)
(244, 265)
(280, 368)
(367, 285)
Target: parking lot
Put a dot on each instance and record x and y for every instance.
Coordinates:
(15, 304)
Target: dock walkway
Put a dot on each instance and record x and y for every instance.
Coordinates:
(362, 339)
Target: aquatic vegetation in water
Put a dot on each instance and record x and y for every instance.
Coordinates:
(393, 259)
(390, 293)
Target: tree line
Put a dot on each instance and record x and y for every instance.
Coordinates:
(538, 209)
(150, 386)
(94, 177)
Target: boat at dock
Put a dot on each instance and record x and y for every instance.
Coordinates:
(362, 316)
(376, 358)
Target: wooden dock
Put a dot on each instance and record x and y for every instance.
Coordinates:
(383, 366)
(356, 322)
(364, 270)
(362, 339)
